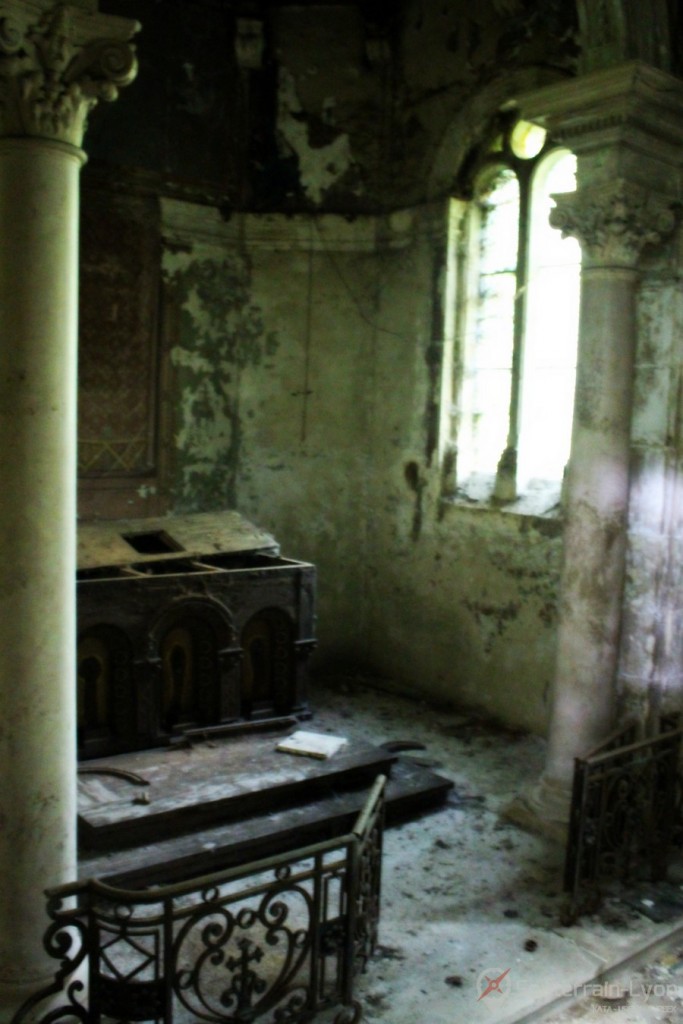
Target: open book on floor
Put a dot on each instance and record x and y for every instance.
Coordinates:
(311, 744)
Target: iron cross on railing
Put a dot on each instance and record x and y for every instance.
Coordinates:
(245, 983)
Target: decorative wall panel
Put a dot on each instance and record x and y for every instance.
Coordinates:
(118, 343)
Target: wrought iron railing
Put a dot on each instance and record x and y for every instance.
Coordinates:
(275, 941)
(625, 805)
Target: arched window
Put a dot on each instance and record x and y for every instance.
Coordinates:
(514, 301)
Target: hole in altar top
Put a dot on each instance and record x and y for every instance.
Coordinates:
(154, 542)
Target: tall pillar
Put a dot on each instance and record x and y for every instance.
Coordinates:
(612, 224)
(624, 126)
(56, 62)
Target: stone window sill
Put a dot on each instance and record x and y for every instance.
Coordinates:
(540, 501)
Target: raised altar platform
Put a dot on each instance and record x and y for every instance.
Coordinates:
(155, 816)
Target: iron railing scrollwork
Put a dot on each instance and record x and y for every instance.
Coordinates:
(274, 941)
(625, 806)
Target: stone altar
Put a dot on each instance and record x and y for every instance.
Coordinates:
(186, 623)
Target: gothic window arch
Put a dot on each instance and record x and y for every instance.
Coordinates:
(513, 302)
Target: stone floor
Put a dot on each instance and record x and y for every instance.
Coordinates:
(469, 897)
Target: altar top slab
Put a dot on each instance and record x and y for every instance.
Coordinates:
(119, 542)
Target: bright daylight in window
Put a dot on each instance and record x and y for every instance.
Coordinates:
(514, 305)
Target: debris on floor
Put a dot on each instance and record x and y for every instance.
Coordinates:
(471, 905)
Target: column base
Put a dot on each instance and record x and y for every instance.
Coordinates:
(542, 808)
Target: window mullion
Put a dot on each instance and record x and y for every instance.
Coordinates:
(505, 488)
(455, 339)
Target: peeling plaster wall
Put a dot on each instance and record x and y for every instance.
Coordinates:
(467, 614)
(303, 393)
(333, 105)
(302, 317)
(319, 167)
(651, 667)
(271, 376)
(460, 603)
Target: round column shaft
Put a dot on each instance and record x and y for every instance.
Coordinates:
(595, 535)
(38, 300)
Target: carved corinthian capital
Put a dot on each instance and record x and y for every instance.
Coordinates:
(614, 222)
(56, 64)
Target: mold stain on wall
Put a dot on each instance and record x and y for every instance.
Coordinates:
(491, 619)
(220, 333)
(528, 567)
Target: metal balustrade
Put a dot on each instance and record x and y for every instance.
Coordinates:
(625, 808)
(275, 941)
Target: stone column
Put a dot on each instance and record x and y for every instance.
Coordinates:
(612, 224)
(56, 62)
(624, 127)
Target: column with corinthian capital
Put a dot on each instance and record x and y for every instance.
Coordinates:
(624, 126)
(56, 63)
(613, 223)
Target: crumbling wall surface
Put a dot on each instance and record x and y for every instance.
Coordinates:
(219, 333)
(303, 305)
(269, 107)
(269, 341)
(368, 95)
(332, 99)
(467, 613)
(340, 108)
(461, 602)
(304, 395)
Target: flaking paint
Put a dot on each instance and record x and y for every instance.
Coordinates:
(220, 333)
